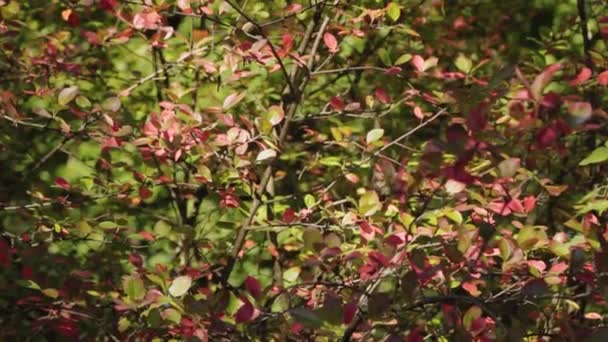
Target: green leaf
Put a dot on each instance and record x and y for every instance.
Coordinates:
(266, 156)
(30, 284)
(275, 115)
(529, 236)
(291, 274)
(470, 316)
(162, 228)
(133, 287)
(393, 11)
(306, 316)
(310, 201)
(599, 155)
(83, 102)
(374, 135)
(67, 95)
(463, 63)
(369, 203)
(180, 286)
(403, 59)
(111, 104)
(172, 315)
(52, 293)
(108, 225)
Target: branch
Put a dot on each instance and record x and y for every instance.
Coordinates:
(291, 109)
(582, 13)
(292, 87)
(166, 68)
(385, 147)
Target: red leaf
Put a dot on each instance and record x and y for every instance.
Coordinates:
(144, 192)
(107, 5)
(253, 286)
(62, 183)
(67, 328)
(394, 70)
(331, 42)
(546, 136)
(602, 78)
(551, 100)
(337, 103)
(382, 96)
(379, 258)
(478, 118)
(581, 78)
(456, 134)
(293, 8)
(229, 199)
(289, 215)
(147, 235)
(415, 336)
(350, 310)
(5, 254)
(515, 206)
(136, 260)
(287, 43)
(27, 272)
(245, 313)
(394, 240)
(367, 231)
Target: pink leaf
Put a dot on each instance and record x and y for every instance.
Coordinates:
(418, 63)
(581, 78)
(593, 316)
(331, 42)
(418, 113)
(471, 288)
(558, 268)
(529, 203)
(602, 79)
(537, 264)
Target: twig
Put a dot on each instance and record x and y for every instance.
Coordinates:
(167, 67)
(293, 89)
(582, 13)
(291, 109)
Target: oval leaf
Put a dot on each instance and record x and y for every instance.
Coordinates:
(374, 135)
(67, 95)
(180, 286)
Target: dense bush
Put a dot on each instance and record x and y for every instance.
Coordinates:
(324, 170)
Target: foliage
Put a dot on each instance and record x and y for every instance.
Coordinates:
(321, 170)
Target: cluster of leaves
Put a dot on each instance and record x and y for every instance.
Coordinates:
(325, 170)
